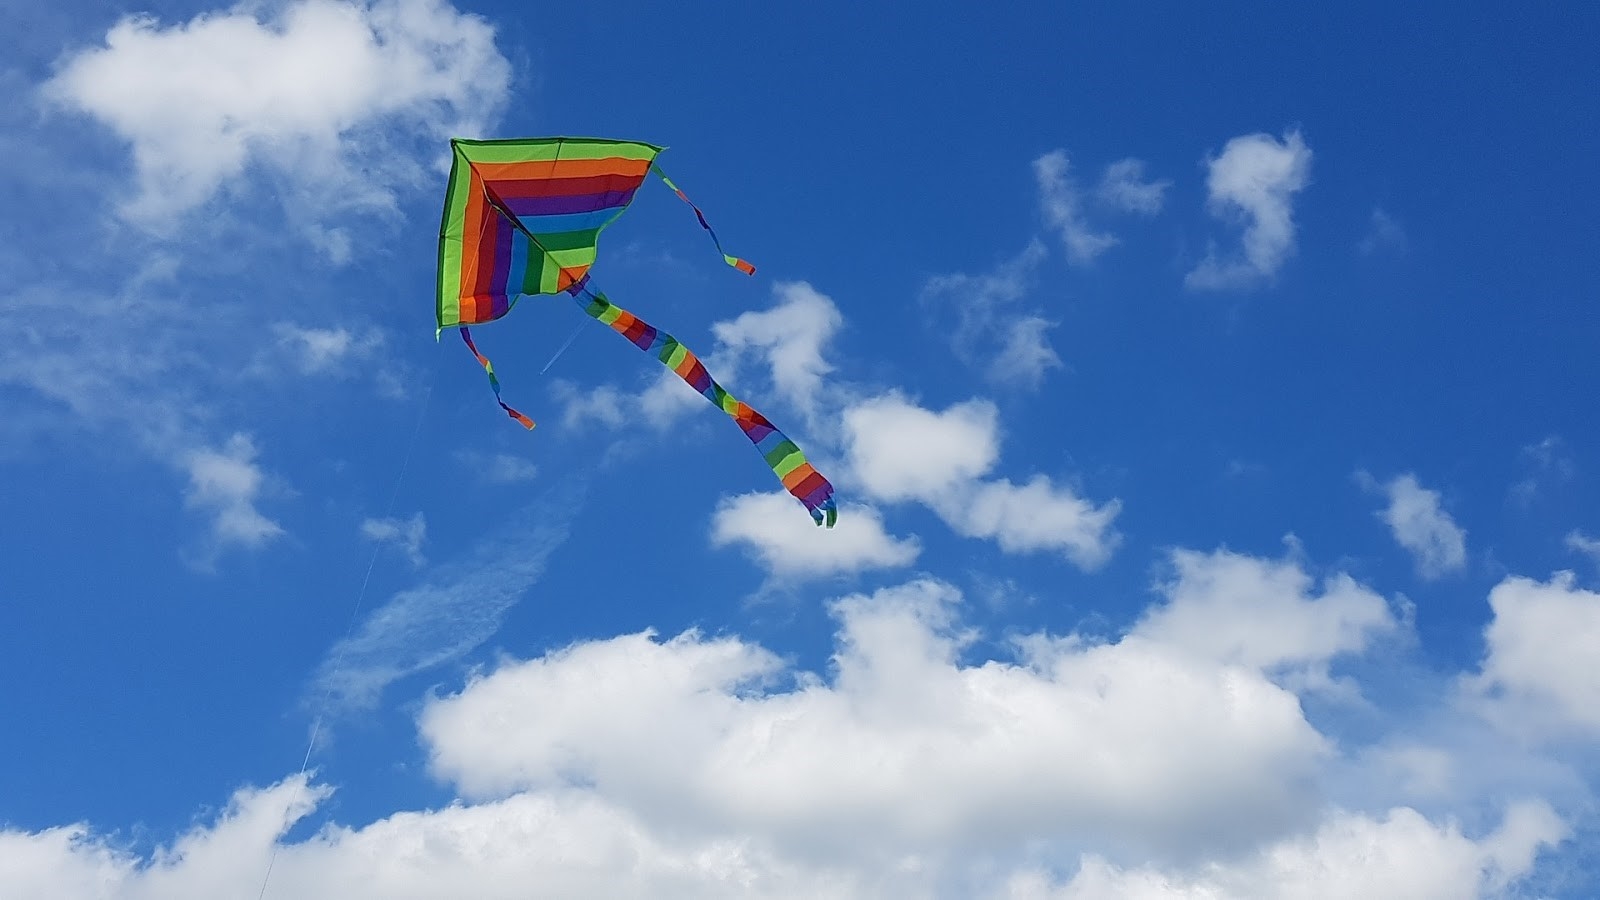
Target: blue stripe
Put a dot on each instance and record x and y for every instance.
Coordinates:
(519, 263)
(570, 222)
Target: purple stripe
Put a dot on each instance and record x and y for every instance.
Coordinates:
(560, 206)
(503, 233)
(816, 497)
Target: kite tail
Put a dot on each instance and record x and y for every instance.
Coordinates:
(493, 381)
(787, 462)
(731, 260)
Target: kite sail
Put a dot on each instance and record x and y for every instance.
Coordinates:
(524, 217)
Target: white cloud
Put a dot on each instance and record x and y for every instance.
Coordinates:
(790, 337)
(314, 351)
(604, 404)
(458, 606)
(225, 484)
(407, 534)
(1009, 345)
(1262, 613)
(1062, 205)
(1583, 543)
(1350, 857)
(794, 548)
(307, 94)
(1421, 526)
(903, 749)
(1038, 515)
(709, 767)
(1539, 672)
(1255, 180)
(1026, 354)
(1123, 186)
(898, 451)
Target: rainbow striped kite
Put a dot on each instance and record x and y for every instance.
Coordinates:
(524, 217)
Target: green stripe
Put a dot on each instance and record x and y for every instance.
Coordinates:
(785, 458)
(540, 149)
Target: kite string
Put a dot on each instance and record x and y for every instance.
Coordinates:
(338, 660)
(582, 324)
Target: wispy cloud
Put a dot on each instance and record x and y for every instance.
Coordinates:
(995, 332)
(1062, 203)
(313, 351)
(1124, 187)
(458, 606)
(1545, 463)
(406, 534)
(1586, 544)
(497, 468)
(1383, 234)
(1254, 180)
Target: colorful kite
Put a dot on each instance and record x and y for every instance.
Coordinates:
(524, 217)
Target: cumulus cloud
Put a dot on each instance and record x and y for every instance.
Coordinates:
(789, 338)
(1420, 525)
(1062, 204)
(792, 547)
(1350, 857)
(406, 534)
(903, 748)
(1254, 181)
(1123, 186)
(702, 766)
(898, 451)
(307, 93)
(1538, 673)
(1262, 613)
(225, 483)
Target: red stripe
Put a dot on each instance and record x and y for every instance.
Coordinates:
(521, 188)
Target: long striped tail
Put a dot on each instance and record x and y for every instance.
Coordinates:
(787, 462)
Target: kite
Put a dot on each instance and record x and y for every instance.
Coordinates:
(523, 217)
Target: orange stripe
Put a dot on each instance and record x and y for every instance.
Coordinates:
(472, 221)
(569, 276)
(799, 474)
(563, 168)
(686, 366)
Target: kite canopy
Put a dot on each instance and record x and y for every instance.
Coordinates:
(524, 217)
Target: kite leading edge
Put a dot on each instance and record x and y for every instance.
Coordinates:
(524, 216)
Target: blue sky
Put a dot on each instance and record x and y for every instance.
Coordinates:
(1207, 392)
